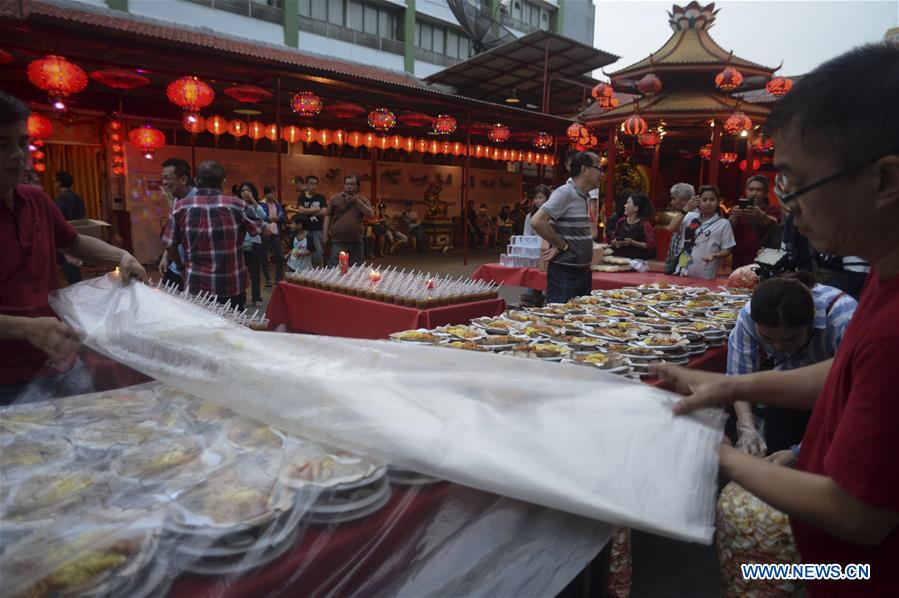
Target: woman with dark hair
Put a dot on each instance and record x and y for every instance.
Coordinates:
(253, 250)
(617, 213)
(538, 197)
(633, 236)
(789, 323)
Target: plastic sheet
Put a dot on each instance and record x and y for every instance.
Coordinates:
(149, 491)
(561, 436)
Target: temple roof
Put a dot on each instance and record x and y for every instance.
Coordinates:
(676, 103)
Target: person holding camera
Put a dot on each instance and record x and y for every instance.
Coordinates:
(707, 238)
(789, 323)
(754, 221)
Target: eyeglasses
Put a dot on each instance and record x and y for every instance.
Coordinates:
(789, 199)
(599, 168)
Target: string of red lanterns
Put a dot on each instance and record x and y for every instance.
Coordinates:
(116, 153)
(39, 128)
(604, 95)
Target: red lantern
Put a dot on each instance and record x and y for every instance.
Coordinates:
(409, 144)
(444, 124)
(635, 125)
(396, 142)
(291, 134)
(38, 155)
(779, 86)
(39, 167)
(345, 110)
(119, 78)
(271, 132)
(649, 139)
(39, 126)
(414, 119)
(354, 139)
(116, 147)
(737, 123)
(763, 144)
(649, 85)
(587, 143)
(370, 140)
(575, 132)
(5, 57)
(255, 130)
(729, 78)
(381, 119)
(216, 125)
(237, 128)
(498, 133)
(58, 77)
(457, 149)
(147, 139)
(308, 134)
(543, 140)
(421, 145)
(339, 137)
(755, 164)
(324, 137)
(306, 104)
(604, 96)
(705, 152)
(193, 123)
(118, 170)
(728, 158)
(247, 94)
(191, 94)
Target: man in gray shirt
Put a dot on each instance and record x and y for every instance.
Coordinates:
(564, 222)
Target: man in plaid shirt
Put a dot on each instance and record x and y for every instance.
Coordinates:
(211, 227)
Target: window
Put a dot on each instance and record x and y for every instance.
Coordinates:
(305, 8)
(452, 44)
(354, 20)
(335, 12)
(427, 36)
(319, 10)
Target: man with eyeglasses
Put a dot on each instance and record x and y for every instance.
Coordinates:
(564, 222)
(836, 137)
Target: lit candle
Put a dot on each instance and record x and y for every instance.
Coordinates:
(344, 259)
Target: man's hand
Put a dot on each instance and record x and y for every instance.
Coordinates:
(753, 212)
(52, 337)
(700, 389)
(548, 253)
(129, 267)
(692, 204)
(749, 439)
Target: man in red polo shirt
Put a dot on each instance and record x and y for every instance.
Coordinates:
(837, 140)
(32, 229)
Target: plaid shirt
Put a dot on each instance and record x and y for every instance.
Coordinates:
(211, 228)
(833, 310)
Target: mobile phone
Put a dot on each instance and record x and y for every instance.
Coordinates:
(743, 204)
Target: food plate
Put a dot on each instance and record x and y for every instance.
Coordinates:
(415, 337)
(250, 435)
(464, 345)
(29, 453)
(495, 325)
(613, 335)
(153, 460)
(467, 333)
(311, 466)
(664, 342)
(545, 351)
(498, 342)
(611, 363)
(50, 495)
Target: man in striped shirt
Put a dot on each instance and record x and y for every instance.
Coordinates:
(564, 222)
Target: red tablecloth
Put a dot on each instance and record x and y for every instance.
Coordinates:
(304, 309)
(535, 279)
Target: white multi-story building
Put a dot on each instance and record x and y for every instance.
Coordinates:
(418, 36)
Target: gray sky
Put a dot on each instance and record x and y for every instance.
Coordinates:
(802, 34)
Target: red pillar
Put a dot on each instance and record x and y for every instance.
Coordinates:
(610, 170)
(278, 143)
(715, 160)
(374, 178)
(466, 164)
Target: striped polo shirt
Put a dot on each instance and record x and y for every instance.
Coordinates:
(567, 206)
(833, 310)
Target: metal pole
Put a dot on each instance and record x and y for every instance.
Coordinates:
(278, 142)
(545, 108)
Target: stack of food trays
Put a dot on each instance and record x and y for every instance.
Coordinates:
(620, 331)
(115, 493)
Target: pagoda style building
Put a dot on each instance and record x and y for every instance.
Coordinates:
(688, 116)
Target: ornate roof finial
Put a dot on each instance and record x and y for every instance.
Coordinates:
(692, 16)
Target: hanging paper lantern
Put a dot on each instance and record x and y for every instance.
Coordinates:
(381, 119)
(444, 124)
(737, 123)
(291, 134)
(458, 148)
(306, 104)
(649, 139)
(762, 144)
(354, 139)
(271, 132)
(39, 167)
(116, 147)
(779, 86)
(370, 140)
(414, 119)
(147, 139)
(383, 142)
(339, 137)
(38, 155)
(587, 142)
(197, 124)
(728, 158)
(247, 94)
(237, 128)
(255, 130)
(345, 110)
(705, 152)
(39, 126)
(729, 78)
(191, 94)
(635, 125)
(409, 144)
(421, 145)
(576, 131)
(308, 134)
(756, 163)
(119, 78)
(543, 140)
(604, 95)
(396, 142)
(5, 57)
(324, 137)
(58, 77)
(498, 133)
(217, 125)
(649, 85)
(118, 160)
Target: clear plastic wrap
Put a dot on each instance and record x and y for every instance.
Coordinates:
(561, 436)
(148, 491)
